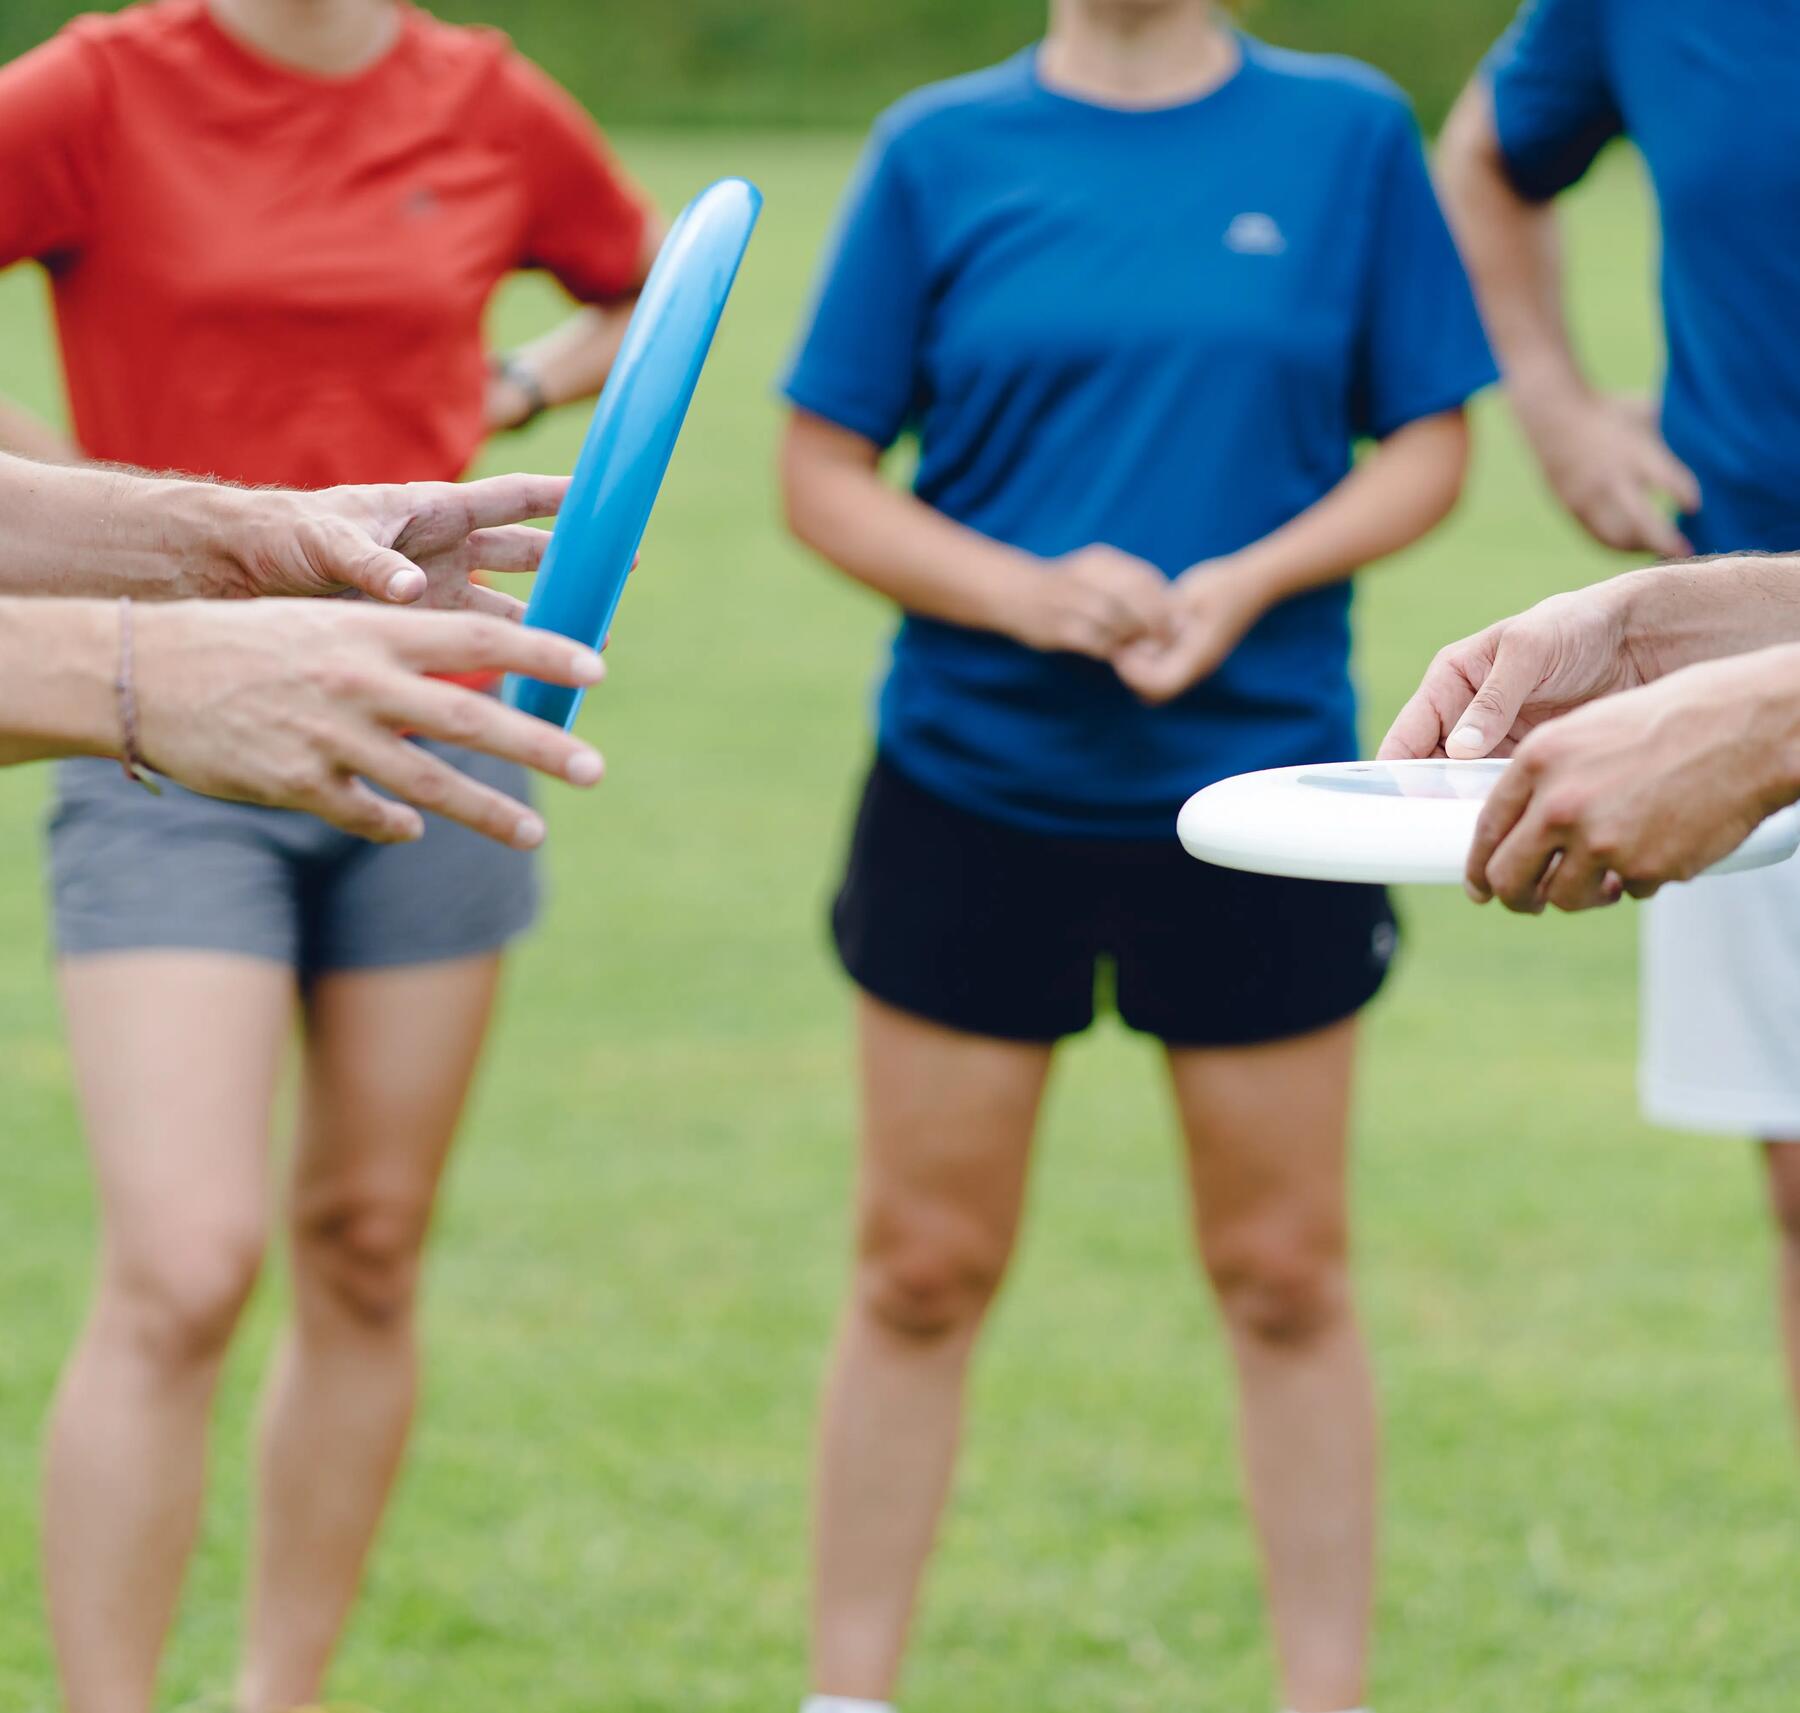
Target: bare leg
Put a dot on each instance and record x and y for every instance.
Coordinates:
(1266, 1127)
(390, 1057)
(176, 1056)
(1783, 1159)
(947, 1126)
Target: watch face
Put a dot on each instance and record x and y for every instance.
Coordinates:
(1452, 781)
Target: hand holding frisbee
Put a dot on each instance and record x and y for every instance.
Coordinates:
(633, 433)
(1429, 822)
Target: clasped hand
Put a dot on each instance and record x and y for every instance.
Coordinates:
(1161, 636)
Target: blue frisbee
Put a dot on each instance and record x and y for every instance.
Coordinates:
(634, 430)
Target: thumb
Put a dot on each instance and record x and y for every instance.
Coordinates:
(350, 558)
(1516, 672)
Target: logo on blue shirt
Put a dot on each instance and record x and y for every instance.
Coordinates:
(1255, 235)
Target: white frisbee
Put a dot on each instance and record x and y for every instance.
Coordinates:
(1391, 823)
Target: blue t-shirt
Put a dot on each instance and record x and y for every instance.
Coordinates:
(1164, 331)
(1711, 97)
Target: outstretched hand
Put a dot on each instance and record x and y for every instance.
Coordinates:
(409, 544)
(308, 705)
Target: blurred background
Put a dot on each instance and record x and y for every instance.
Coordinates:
(825, 63)
(1591, 1476)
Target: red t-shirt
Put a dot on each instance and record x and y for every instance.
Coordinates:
(270, 276)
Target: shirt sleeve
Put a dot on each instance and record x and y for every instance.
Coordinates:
(1423, 348)
(1554, 108)
(857, 363)
(51, 133)
(586, 220)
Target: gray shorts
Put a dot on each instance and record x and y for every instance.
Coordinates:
(133, 872)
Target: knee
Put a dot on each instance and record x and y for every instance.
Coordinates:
(361, 1253)
(1279, 1289)
(926, 1281)
(179, 1307)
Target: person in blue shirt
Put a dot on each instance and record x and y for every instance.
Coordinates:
(1709, 96)
(1139, 293)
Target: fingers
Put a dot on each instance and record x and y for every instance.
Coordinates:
(493, 603)
(471, 720)
(517, 547)
(1517, 670)
(1094, 623)
(350, 805)
(1673, 477)
(1582, 881)
(346, 556)
(418, 777)
(1522, 867)
(1423, 726)
(1133, 597)
(1649, 527)
(1506, 804)
(468, 642)
(501, 500)
(1157, 675)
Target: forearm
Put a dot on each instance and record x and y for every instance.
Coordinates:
(57, 664)
(92, 531)
(1673, 616)
(902, 548)
(572, 360)
(1398, 493)
(1514, 254)
(26, 435)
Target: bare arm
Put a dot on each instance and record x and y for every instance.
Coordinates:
(1602, 456)
(573, 359)
(1398, 493)
(1093, 602)
(90, 531)
(56, 679)
(98, 531)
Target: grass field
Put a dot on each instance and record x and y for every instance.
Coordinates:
(1591, 1499)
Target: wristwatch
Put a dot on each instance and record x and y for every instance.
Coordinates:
(510, 366)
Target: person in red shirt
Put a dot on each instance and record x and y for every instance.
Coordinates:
(272, 230)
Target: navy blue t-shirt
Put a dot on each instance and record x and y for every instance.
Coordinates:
(1711, 97)
(1164, 331)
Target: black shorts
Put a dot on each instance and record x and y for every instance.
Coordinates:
(996, 930)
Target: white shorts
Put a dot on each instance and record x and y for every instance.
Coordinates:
(1720, 1046)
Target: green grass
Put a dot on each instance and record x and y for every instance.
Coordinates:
(1591, 1501)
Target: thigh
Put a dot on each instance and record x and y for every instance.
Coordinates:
(447, 897)
(176, 1058)
(1721, 1005)
(133, 872)
(948, 1120)
(983, 928)
(1267, 1130)
(390, 1055)
(1210, 957)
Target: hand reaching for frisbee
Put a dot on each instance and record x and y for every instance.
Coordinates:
(301, 705)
